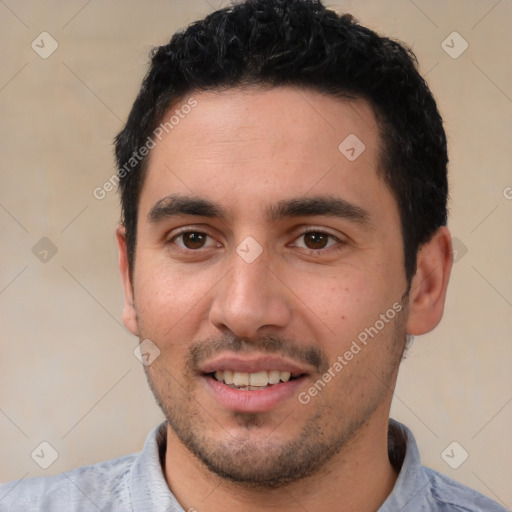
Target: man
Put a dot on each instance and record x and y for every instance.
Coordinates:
(283, 185)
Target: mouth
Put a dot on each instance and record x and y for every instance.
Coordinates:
(255, 381)
(253, 384)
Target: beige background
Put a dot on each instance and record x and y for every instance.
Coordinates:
(68, 374)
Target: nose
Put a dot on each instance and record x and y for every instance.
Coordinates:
(249, 298)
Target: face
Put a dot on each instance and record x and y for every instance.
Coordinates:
(269, 273)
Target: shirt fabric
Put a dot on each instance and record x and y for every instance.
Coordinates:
(136, 483)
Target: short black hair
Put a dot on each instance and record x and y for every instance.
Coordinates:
(301, 43)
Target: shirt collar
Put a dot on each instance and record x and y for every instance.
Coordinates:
(146, 482)
(412, 479)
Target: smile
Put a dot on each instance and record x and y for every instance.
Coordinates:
(255, 381)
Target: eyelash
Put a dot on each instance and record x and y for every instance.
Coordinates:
(338, 245)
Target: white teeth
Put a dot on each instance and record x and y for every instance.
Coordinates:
(258, 379)
(241, 379)
(273, 377)
(252, 380)
(285, 376)
(228, 377)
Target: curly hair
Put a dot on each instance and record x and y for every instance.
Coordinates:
(301, 43)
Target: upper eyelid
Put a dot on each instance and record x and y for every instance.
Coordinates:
(337, 239)
(297, 231)
(185, 231)
(312, 229)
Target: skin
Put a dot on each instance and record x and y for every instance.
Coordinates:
(246, 150)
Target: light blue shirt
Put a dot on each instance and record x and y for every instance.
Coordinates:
(136, 483)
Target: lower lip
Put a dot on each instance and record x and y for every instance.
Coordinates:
(252, 401)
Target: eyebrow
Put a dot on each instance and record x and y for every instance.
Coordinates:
(176, 205)
(328, 206)
(322, 205)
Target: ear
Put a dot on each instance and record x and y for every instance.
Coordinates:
(129, 312)
(428, 288)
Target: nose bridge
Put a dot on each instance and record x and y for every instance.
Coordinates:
(249, 284)
(249, 297)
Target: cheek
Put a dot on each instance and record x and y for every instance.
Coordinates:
(343, 305)
(167, 301)
(346, 294)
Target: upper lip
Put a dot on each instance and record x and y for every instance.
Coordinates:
(253, 365)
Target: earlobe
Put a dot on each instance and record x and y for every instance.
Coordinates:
(129, 312)
(429, 285)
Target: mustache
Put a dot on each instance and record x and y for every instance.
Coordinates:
(201, 351)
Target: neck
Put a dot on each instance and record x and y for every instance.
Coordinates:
(360, 477)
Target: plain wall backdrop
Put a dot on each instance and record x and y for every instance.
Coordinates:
(67, 370)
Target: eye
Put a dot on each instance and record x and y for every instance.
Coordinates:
(193, 240)
(316, 240)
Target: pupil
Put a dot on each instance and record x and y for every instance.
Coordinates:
(193, 240)
(316, 240)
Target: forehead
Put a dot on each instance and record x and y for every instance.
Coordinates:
(248, 148)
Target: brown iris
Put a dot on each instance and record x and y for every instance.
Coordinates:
(193, 240)
(315, 240)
